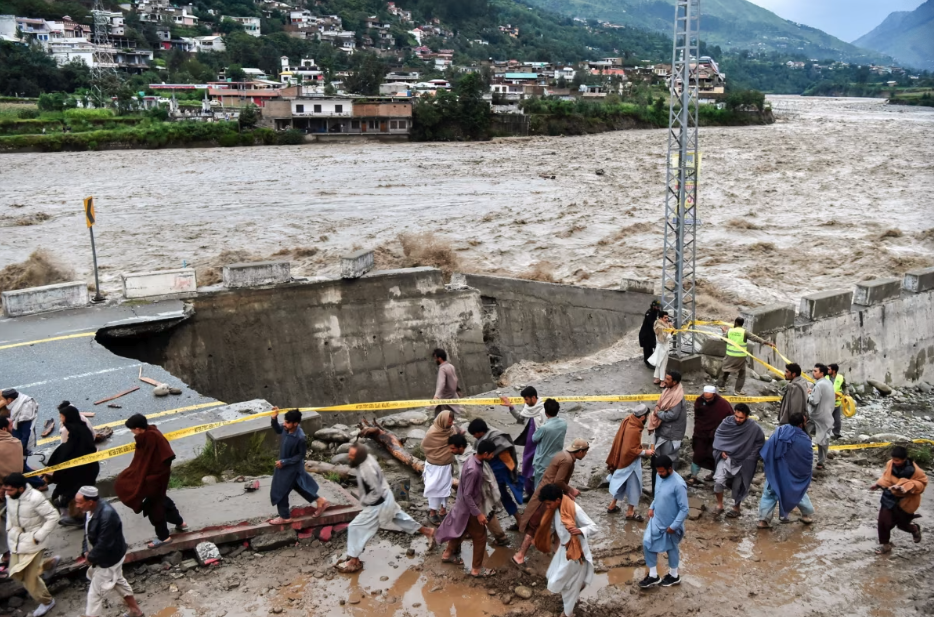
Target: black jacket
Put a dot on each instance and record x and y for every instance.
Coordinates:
(105, 534)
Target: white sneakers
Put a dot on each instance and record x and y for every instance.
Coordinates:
(44, 608)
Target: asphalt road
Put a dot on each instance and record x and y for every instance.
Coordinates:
(79, 370)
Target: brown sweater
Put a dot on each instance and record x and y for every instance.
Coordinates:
(11, 454)
(558, 472)
(914, 486)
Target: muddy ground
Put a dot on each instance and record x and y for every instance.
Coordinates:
(827, 196)
(728, 566)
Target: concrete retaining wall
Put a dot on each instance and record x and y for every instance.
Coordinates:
(879, 332)
(160, 283)
(325, 343)
(43, 299)
(257, 274)
(544, 322)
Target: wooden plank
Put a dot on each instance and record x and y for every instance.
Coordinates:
(124, 393)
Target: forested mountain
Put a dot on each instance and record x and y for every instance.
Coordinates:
(731, 24)
(907, 36)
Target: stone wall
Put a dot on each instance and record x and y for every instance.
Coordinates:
(545, 322)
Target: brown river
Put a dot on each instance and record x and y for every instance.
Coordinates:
(833, 193)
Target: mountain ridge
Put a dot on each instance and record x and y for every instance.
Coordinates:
(908, 36)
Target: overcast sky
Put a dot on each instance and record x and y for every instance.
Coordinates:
(845, 19)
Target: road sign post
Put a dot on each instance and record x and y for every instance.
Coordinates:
(89, 219)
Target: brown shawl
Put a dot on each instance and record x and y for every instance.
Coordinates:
(147, 477)
(627, 446)
(435, 443)
(669, 398)
(914, 486)
(544, 536)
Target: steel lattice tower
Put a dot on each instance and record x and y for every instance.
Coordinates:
(104, 77)
(678, 265)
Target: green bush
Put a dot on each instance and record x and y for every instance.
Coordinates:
(229, 140)
(89, 114)
(291, 137)
(29, 113)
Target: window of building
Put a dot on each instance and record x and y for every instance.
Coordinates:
(299, 109)
(403, 124)
(372, 124)
(317, 109)
(338, 109)
(393, 124)
(355, 124)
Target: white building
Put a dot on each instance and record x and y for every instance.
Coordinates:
(209, 43)
(250, 24)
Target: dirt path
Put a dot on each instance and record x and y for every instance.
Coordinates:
(827, 196)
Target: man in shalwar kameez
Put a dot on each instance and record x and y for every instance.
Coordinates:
(665, 528)
(380, 510)
(571, 568)
(290, 474)
(736, 447)
(625, 463)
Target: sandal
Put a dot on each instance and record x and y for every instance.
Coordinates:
(323, 505)
(614, 510)
(521, 566)
(762, 525)
(156, 543)
(182, 527)
(484, 573)
(343, 568)
(885, 549)
(279, 521)
(717, 511)
(819, 467)
(692, 481)
(636, 517)
(732, 514)
(455, 559)
(916, 534)
(504, 541)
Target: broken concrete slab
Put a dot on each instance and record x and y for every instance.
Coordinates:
(637, 286)
(686, 364)
(769, 318)
(159, 284)
(825, 304)
(357, 264)
(43, 299)
(272, 541)
(877, 291)
(256, 274)
(240, 437)
(919, 280)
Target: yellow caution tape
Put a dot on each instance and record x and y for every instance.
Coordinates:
(130, 447)
(861, 446)
(160, 414)
(377, 406)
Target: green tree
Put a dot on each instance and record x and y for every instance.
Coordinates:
(235, 73)
(367, 72)
(248, 117)
(229, 26)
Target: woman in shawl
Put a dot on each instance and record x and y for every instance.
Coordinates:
(625, 463)
(647, 332)
(438, 475)
(68, 481)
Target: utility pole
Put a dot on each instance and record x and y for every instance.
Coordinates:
(89, 219)
(104, 78)
(683, 165)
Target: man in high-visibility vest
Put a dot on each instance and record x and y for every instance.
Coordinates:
(839, 383)
(735, 360)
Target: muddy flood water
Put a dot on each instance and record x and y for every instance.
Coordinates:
(832, 193)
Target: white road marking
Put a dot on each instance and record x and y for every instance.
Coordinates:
(106, 370)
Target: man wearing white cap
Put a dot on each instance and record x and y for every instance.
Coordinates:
(104, 549)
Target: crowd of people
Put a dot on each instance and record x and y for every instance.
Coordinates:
(727, 444)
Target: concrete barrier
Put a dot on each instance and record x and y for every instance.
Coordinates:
(919, 280)
(877, 291)
(825, 304)
(242, 436)
(357, 264)
(43, 299)
(769, 318)
(642, 287)
(159, 283)
(257, 274)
